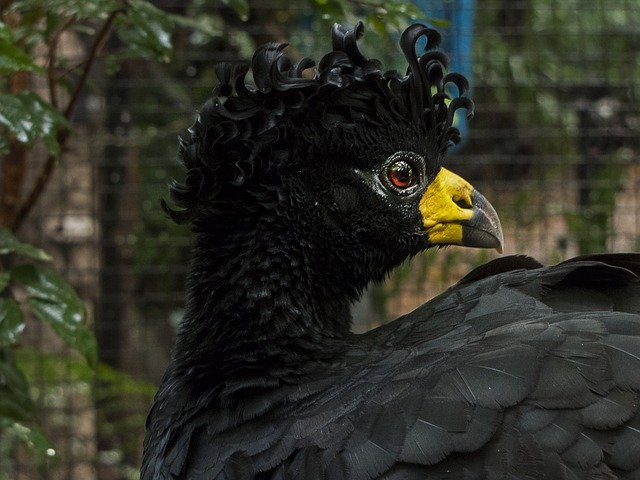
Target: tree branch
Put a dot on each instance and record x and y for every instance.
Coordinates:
(45, 174)
(53, 54)
(97, 45)
(12, 177)
(14, 164)
(4, 5)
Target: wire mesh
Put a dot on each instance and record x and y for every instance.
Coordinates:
(553, 145)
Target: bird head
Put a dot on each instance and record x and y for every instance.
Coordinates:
(348, 159)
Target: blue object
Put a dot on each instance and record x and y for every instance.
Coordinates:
(457, 38)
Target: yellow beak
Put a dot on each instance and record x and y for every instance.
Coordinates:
(454, 213)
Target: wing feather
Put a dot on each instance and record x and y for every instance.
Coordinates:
(508, 373)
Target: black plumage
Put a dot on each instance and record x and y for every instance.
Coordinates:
(303, 189)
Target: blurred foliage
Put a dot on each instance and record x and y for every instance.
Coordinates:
(565, 98)
(83, 385)
(30, 54)
(30, 288)
(30, 118)
(592, 226)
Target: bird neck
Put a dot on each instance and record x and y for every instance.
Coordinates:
(264, 292)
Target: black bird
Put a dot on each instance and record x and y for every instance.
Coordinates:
(301, 190)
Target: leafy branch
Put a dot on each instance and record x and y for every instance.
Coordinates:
(63, 134)
(32, 289)
(30, 117)
(26, 115)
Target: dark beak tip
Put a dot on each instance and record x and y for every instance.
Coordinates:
(483, 229)
(482, 236)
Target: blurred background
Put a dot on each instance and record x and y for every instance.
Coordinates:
(553, 145)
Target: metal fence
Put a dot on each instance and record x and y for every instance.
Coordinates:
(554, 146)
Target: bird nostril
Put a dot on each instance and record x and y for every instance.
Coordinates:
(462, 202)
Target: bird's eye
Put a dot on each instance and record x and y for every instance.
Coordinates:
(401, 174)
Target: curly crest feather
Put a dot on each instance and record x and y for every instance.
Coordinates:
(244, 131)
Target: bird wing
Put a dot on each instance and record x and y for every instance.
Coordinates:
(518, 371)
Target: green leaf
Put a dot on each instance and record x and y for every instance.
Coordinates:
(440, 22)
(4, 146)
(330, 10)
(377, 25)
(47, 369)
(210, 26)
(4, 280)
(34, 438)
(15, 401)
(53, 300)
(30, 118)
(93, 9)
(10, 244)
(11, 322)
(146, 31)
(13, 58)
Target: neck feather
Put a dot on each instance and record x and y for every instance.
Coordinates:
(255, 291)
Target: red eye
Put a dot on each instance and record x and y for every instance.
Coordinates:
(401, 174)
